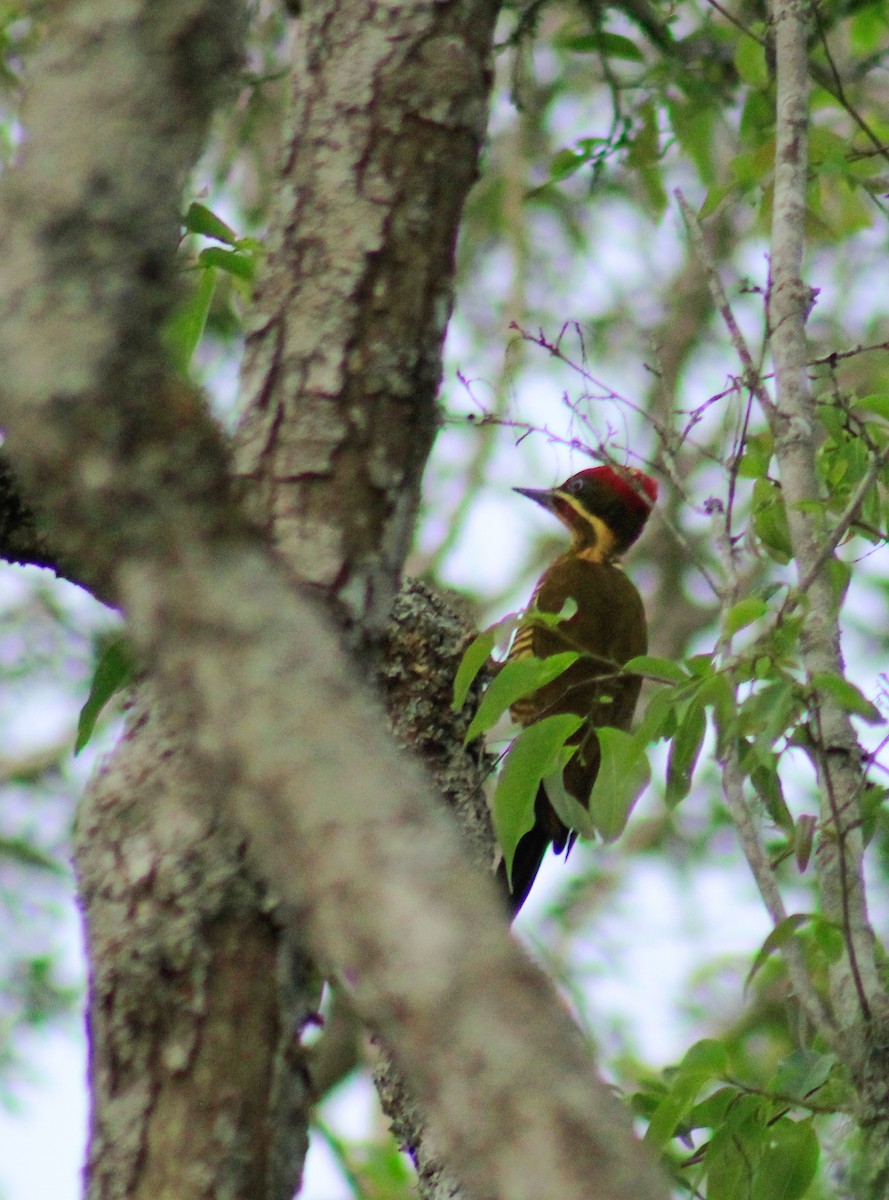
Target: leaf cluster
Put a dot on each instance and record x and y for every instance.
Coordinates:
(736, 1142)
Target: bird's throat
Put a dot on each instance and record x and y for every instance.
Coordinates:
(593, 541)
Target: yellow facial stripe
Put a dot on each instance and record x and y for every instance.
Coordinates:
(604, 541)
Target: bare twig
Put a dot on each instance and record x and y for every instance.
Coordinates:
(752, 377)
(838, 355)
(841, 829)
(814, 1005)
(598, 453)
(867, 481)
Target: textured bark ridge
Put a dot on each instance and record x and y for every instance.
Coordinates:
(197, 994)
(421, 651)
(194, 977)
(344, 359)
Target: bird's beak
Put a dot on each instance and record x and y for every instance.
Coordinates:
(542, 496)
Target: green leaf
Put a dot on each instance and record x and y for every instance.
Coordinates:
(663, 670)
(750, 62)
(653, 190)
(710, 1113)
(623, 776)
(804, 839)
(612, 45)
(718, 694)
(776, 707)
(474, 658)
(713, 199)
(669, 1113)
(788, 1162)
(837, 203)
(700, 665)
(867, 30)
(684, 751)
(202, 220)
(762, 766)
(114, 670)
(498, 635)
(565, 164)
(734, 1146)
(241, 265)
(849, 697)
(742, 614)
(693, 124)
(708, 1055)
(801, 1073)
(829, 938)
(185, 328)
(705, 1061)
(757, 134)
(535, 754)
(615, 45)
(780, 936)
(27, 855)
(549, 620)
(770, 520)
(568, 808)
(517, 678)
(373, 1169)
(833, 417)
(645, 146)
(840, 575)
(659, 720)
(758, 450)
(878, 404)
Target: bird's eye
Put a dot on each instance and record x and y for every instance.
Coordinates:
(574, 485)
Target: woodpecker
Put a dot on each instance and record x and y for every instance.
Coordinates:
(605, 509)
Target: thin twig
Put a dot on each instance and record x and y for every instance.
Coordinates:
(842, 526)
(752, 378)
(599, 454)
(841, 829)
(758, 860)
(838, 355)
(735, 468)
(786, 1098)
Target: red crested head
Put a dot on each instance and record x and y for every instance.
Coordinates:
(634, 487)
(618, 498)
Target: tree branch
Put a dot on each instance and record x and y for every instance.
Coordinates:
(793, 423)
(22, 540)
(752, 375)
(764, 876)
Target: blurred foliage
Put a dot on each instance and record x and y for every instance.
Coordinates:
(373, 1170)
(46, 655)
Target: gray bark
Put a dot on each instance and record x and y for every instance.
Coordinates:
(857, 994)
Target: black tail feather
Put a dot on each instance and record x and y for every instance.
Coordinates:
(529, 855)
